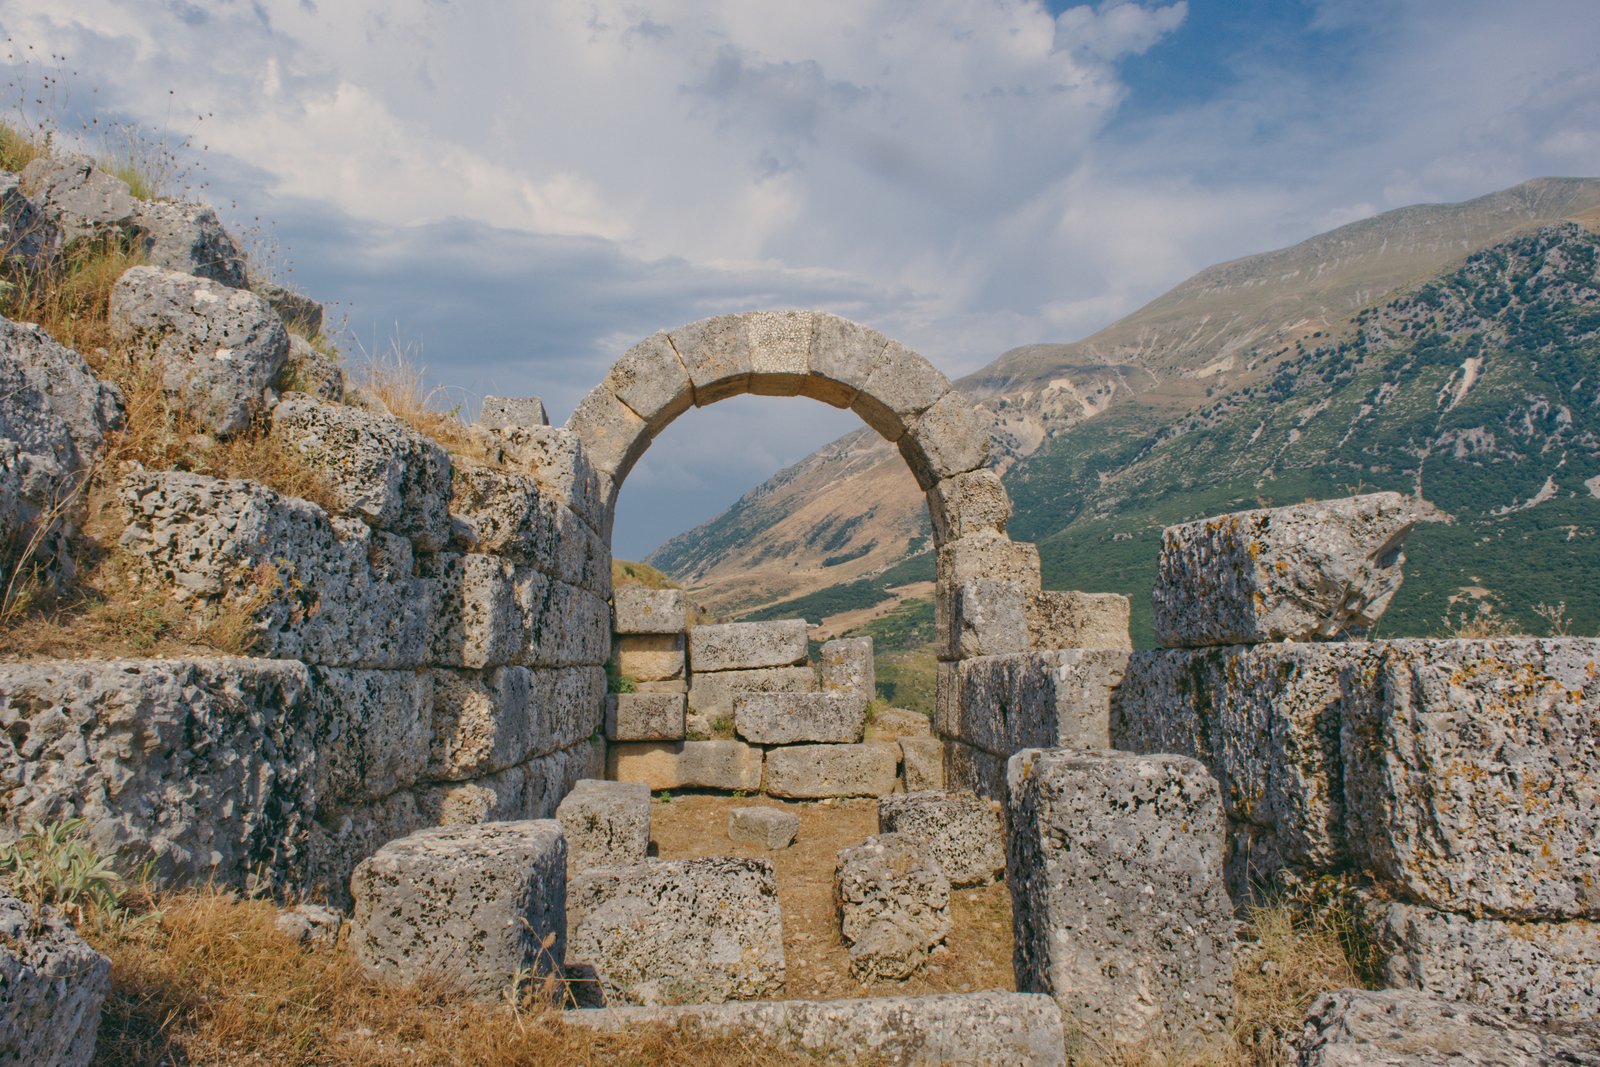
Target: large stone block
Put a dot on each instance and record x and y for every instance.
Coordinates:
(974, 770)
(371, 731)
(728, 765)
(607, 824)
(1469, 774)
(499, 412)
(82, 200)
(921, 763)
(843, 356)
(530, 790)
(470, 905)
(1297, 573)
(952, 437)
(645, 717)
(1062, 619)
(1115, 866)
(970, 504)
(649, 657)
(961, 831)
(1002, 704)
(711, 696)
(487, 721)
(560, 464)
(901, 387)
(954, 1029)
(893, 724)
(613, 436)
(790, 718)
(1547, 971)
(478, 622)
(636, 609)
(651, 380)
(219, 348)
(812, 771)
(768, 828)
(567, 625)
(510, 517)
(679, 931)
(737, 646)
(968, 559)
(300, 313)
(52, 987)
(847, 667)
(306, 370)
(716, 353)
(894, 906)
(780, 350)
(1400, 1028)
(990, 619)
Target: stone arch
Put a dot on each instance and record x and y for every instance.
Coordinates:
(945, 441)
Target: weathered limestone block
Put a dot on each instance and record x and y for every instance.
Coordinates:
(650, 657)
(679, 931)
(607, 824)
(300, 313)
(738, 646)
(28, 238)
(676, 686)
(847, 667)
(990, 619)
(712, 695)
(921, 763)
(530, 790)
(220, 348)
(769, 828)
(487, 721)
(967, 559)
(843, 356)
(729, 765)
(812, 771)
(330, 591)
(960, 830)
(1062, 619)
(1469, 774)
(52, 987)
(638, 610)
(205, 767)
(894, 905)
(82, 200)
(1546, 971)
(378, 469)
(613, 436)
(466, 904)
(1002, 704)
(1115, 866)
(974, 770)
(189, 237)
(651, 381)
(790, 718)
(1297, 573)
(645, 717)
(499, 412)
(310, 924)
(305, 370)
(952, 437)
(371, 731)
(780, 350)
(1400, 1028)
(901, 387)
(559, 463)
(970, 504)
(567, 626)
(955, 1029)
(716, 353)
(478, 621)
(508, 514)
(891, 724)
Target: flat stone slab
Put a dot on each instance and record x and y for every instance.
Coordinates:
(793, 718)
(964, 832)
(764, 827)
(678, 931)
(638, 610)
(734, 646)
(1299, 573)
(645, 716)
(1400, 1028)
(467, 904)
(955, 1029)
(1115, 867)
(52, 987)
(726, 765)
(894, 906)
(815, 771)
(607, 824)
(1068, 619)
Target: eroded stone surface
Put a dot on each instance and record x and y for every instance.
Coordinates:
(894, 905)
(737, 646)
(793, 718)
(305, 370)
(1063, 619)
(1002, 704)
(607, 824)
(645, 717)
(81, 199)
(649, 657)
(712, 695)
(638, 610)
(974, 503)
(922, 763)
(769, 828)
(189, 237)
(28, 238)
(310, 924)
(499, 412)
(990, 619)
(813, 771)
(847, 667)
(962, 831)
(52, 987)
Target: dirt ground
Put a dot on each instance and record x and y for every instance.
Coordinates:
(978, 954)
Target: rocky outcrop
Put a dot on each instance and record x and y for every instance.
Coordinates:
(82, 200)
(28, 238)
(189, 238)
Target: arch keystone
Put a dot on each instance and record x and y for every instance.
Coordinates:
(716, 353)
(780, 351)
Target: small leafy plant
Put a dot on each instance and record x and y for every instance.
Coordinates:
(55, 865)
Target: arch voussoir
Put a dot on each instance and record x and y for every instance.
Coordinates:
(967, 504)
(901, 387)
(950, 438)
(651, 380)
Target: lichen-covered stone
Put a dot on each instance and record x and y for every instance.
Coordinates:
(1401, 1028)
(990, 619)
(973, 769)
(977, 556)
(962, 831)
(378, 469)
(370, 730)
(83, 200)
(736, 646)
(636, 609)
(52, 987)
(894, 906)
(645, 717)
(470, 905)
(1119, 912)
(300, 314)
(678, 931)
(1064, 619)
(650, 657)
(1303, 572)
(189, 237)
(559, 463)
(966, 504)
(499, 412)
(814, 771)
(219, 348)
(566, 625)
(1002, 704)
(769, 828)
(847, 667)
(607, 824)
(712, 695)
(487, 721)
(478, 621)
(792, 718)
(727, 765)
(306, 370)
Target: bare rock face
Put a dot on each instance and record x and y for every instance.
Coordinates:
(220, 348)
(1398, 1028)
(894, 905)
(678, 931)
(27, 236)
(80, 199)
(52, 987)
(607, 824)
(962, 831)
(379, 469)
(1300, 573)
(189, 237)
(471, 905)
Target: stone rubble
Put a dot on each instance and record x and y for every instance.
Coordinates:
(52, 988)
(963, 832)
(769, 828)
(894, 905)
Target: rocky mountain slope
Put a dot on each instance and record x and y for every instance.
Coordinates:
(830, 533)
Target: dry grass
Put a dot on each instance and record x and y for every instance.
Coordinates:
(20, 146)
(397, 380)
(211, 981)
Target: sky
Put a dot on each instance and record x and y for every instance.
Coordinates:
(513, 194)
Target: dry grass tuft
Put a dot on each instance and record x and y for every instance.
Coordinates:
(20, 146)
(71, 300)
(397, 380)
